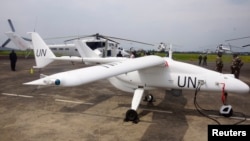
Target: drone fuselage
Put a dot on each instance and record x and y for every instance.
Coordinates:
(178, 75)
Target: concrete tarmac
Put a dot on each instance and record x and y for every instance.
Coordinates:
(95, 112)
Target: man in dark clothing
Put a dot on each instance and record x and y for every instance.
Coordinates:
(13, 59)
(200, 59)
(219, 62)
(236, 65)
(204, 60)
(119, 54)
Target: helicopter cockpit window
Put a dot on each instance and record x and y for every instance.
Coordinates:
(95, 45)
(111, 44)
(53, 48)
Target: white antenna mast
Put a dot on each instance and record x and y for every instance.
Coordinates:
(170, 51)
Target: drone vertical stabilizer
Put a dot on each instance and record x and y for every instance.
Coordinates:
(43, 54)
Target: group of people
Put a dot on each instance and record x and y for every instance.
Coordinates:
(132, 54)
(203, 59)
(235, 65)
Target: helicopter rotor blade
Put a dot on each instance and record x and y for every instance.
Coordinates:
(27, 39)
(130, 40)
(13, 30)
(78, 37)
(6, 42)
(237, 38)
(246, 45)
(97, 36)
(109, 38)
(11, 25)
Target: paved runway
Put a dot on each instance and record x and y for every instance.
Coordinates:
(95, 112)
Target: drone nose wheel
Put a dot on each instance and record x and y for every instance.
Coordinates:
(149, 98)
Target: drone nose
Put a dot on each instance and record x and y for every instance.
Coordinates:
(245, 88)
(237, 86)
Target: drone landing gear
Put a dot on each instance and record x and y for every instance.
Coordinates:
(131, 115)
(149, 98)
(226, 110)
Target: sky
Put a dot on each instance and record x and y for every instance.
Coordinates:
(190, 25)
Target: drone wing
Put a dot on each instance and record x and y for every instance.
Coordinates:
(90, 74)
(90, 60)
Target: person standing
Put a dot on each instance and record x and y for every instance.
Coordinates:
(236, 65)
(13, 60)
(219, 62)
(204, 60)
(200, 59)
(133, 54)
(119, 54)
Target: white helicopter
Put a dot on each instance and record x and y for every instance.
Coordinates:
(24, 44)
(101, 44)
(223, 48)
(138, 75)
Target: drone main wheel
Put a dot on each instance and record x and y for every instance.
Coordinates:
(131, 115)
(149, 98)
